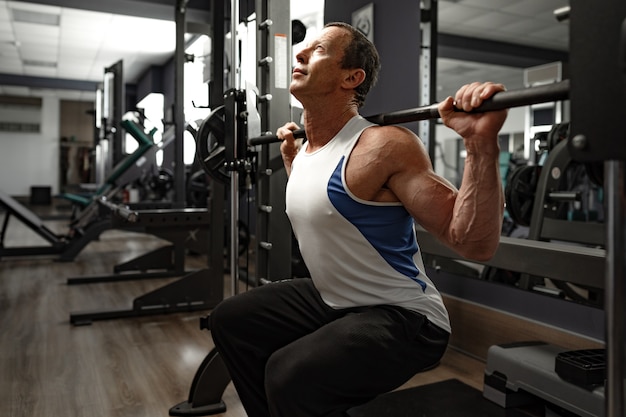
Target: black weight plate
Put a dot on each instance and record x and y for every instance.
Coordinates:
(198, 189)
(210, 148)
(520, 193)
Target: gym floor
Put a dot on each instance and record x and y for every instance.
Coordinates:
(126, 367)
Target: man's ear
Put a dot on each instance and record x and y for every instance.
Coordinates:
(354, 78)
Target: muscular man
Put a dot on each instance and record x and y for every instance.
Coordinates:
(369, 318)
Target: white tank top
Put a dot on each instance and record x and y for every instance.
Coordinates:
(358, 252)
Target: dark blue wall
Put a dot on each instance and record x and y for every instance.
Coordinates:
(397, 38)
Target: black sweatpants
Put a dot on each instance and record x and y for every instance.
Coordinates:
(290, 355)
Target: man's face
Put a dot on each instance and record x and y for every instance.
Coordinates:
(318, 70)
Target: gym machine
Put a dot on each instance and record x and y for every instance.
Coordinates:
(185, 228)
(137, 170)
(557, 200)
(588, 383)
(90, 222)
(163, 262)
(130, 169)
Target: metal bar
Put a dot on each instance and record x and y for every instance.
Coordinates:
(179, 104)
(216, 83)
(589, 233)
(234, 173)
(30, 251)
(164, 218)
(115, 113)
(499, 101)
(131, 276)
(198, 290)
(87, 317)
(121, 211)
(571, 263)
(428, 71)
(614, 173)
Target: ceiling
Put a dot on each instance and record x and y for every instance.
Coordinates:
(61, 41)
(528, 23)
(69, 43)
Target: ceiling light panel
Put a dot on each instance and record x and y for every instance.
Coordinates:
(39, 63)
(39, 18)
(34, 7)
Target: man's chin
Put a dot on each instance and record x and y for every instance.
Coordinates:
(294, 88)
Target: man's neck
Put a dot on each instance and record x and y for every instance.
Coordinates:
(323, 123)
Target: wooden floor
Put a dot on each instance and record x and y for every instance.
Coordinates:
(137, 367)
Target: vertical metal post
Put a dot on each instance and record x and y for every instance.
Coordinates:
(273, 230)
(234, 45)
(179, 105)
(428, 71)
(118, 103)
(216, 84)
(234, 173)
(216, 99)
(615, 287)
(262, 186)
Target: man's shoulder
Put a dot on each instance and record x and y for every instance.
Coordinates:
(389, 135)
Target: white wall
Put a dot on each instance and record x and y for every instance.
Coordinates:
(32, 159)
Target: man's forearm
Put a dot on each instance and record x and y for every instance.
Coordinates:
(479, 208)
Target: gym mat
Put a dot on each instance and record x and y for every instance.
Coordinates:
(449, 398)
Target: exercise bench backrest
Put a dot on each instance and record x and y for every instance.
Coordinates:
(26, 216)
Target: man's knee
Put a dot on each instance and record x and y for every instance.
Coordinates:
(285, 377)
(225, 314)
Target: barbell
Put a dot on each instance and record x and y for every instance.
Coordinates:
(502, 100)
(211, 146)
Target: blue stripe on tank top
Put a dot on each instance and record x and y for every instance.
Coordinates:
(388, 228)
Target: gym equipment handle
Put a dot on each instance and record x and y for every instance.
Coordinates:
(499, 101)
(124, 212)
